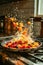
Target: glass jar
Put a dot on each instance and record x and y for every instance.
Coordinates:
(36, 23)
(31, 27)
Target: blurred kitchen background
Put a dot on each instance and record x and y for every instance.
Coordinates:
(23, 10)
(19, 8)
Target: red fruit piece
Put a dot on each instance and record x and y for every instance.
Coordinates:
(14, 45)
(28, 46)
(19, 42)
(22, 46)
(14, 24)
(11, 46)
(15, 42)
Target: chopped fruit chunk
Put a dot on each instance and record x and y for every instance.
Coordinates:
(28, 46)
(19, 46)
(22, 46)
(15, 24)
(19, 28)
(28, 22)
(19, 42)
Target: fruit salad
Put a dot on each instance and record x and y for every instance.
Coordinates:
(19, 44)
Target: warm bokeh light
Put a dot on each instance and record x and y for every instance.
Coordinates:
(13, 19)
